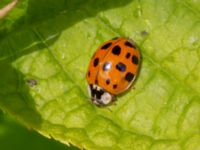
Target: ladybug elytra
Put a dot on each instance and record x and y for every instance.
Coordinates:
(112, 70)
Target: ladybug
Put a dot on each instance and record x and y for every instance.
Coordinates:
(112, 70)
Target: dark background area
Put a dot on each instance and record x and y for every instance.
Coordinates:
(14, 136)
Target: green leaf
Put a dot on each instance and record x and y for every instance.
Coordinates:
(43, 67)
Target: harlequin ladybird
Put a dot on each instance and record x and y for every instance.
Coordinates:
(112, 70)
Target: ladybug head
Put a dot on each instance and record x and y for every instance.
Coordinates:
(100, 96)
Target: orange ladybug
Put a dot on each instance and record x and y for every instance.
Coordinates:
(112, 70)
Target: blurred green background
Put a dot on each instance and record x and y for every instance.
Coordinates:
(14, 136)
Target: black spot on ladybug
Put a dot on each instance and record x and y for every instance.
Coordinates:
(134, 60)
(96, 62)
(88, 74)
(114, 86)
(106, 66)
(121, 67)
(116, 50)
(128, 55)
(129, 77)
(31, 82)
(96, 81)
(129, 44)
(108, 81)
(106, 46)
